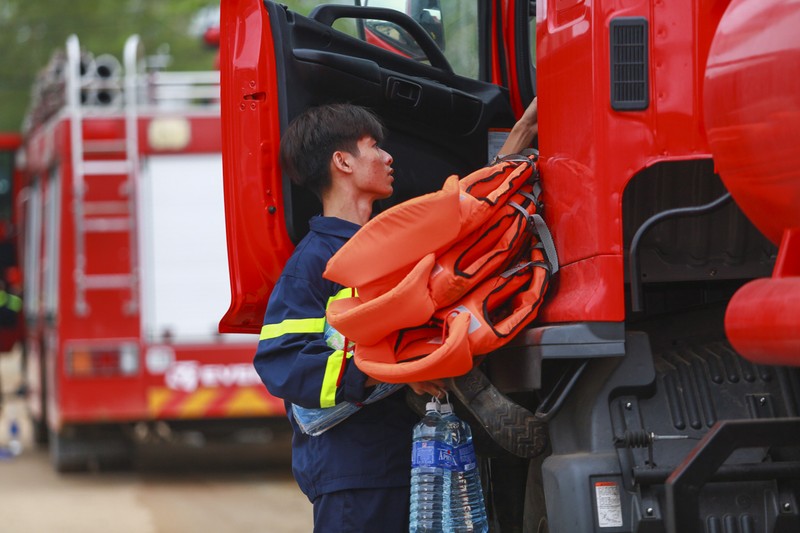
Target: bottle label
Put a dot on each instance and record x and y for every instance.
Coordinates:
(465, 458)
(433, 453)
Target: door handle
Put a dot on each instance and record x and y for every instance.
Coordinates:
(403, 91)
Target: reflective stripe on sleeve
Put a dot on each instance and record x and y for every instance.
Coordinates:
(292, 325)
(327, 395)
(347, 292)
(334, 367)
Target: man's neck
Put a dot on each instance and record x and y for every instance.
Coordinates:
(357, 212)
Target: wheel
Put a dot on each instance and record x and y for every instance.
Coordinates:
(68, 454)
(77, 449)
(41, 435)
(34, 387)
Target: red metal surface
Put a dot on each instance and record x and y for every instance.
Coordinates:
(106, 252)
(752, 114)
(587, 288)
(762, 320)
(752, 111)
(9, 141)
(498, 64)
(589, 152)
(258, 244)
(204, 381)
(512, 69)
(209, 381)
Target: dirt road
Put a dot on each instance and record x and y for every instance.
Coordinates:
(170, 491)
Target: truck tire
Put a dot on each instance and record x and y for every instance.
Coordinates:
(40, 432)
(41, 435)
(72, 450)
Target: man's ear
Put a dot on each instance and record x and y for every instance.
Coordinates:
(341, 161)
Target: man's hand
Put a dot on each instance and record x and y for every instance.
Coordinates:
(434, 387)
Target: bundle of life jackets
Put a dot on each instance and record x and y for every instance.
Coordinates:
(442, 278)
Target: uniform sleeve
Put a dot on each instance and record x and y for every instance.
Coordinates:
(293, 359)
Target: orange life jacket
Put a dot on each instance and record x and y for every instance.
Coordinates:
(422, 268)
(482, 321)
(434, 282)
(430, 223)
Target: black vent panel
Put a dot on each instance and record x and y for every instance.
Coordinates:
(629, 64)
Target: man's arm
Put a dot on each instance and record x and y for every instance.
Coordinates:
(293, 359)
(523, 132)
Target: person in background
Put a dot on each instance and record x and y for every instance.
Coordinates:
(10, 310)
(357, 473)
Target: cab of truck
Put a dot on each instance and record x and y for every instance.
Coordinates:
(646, 400)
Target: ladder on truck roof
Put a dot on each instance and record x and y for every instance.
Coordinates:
(104, 216)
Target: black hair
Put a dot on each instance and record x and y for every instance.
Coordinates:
(311, 139)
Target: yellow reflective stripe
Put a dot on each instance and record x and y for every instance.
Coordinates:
(292, 325)
(15, 304)
(347, 292)
(327, 395)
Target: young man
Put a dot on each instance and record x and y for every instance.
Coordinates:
(357, 473)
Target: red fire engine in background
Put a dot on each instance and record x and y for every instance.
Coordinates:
(669, 156)
(122, 235)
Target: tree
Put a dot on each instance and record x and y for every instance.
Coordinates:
(31, 30)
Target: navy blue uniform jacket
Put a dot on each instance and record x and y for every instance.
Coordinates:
(372, 448)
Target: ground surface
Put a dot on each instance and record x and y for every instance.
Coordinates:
(171, 490)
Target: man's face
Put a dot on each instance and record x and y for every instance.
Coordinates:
(372, 169)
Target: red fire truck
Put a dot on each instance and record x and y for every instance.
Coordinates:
(124, 260)
(651, 115)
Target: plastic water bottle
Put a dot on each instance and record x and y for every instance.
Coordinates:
(429, 461)
(464, 508)
(14, 442)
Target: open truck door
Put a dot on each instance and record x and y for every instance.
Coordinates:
(276, 63)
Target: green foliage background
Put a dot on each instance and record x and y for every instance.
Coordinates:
(30, 30)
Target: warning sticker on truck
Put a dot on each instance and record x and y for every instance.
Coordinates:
(609, 505)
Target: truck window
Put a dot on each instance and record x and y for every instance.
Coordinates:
(453, 25)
